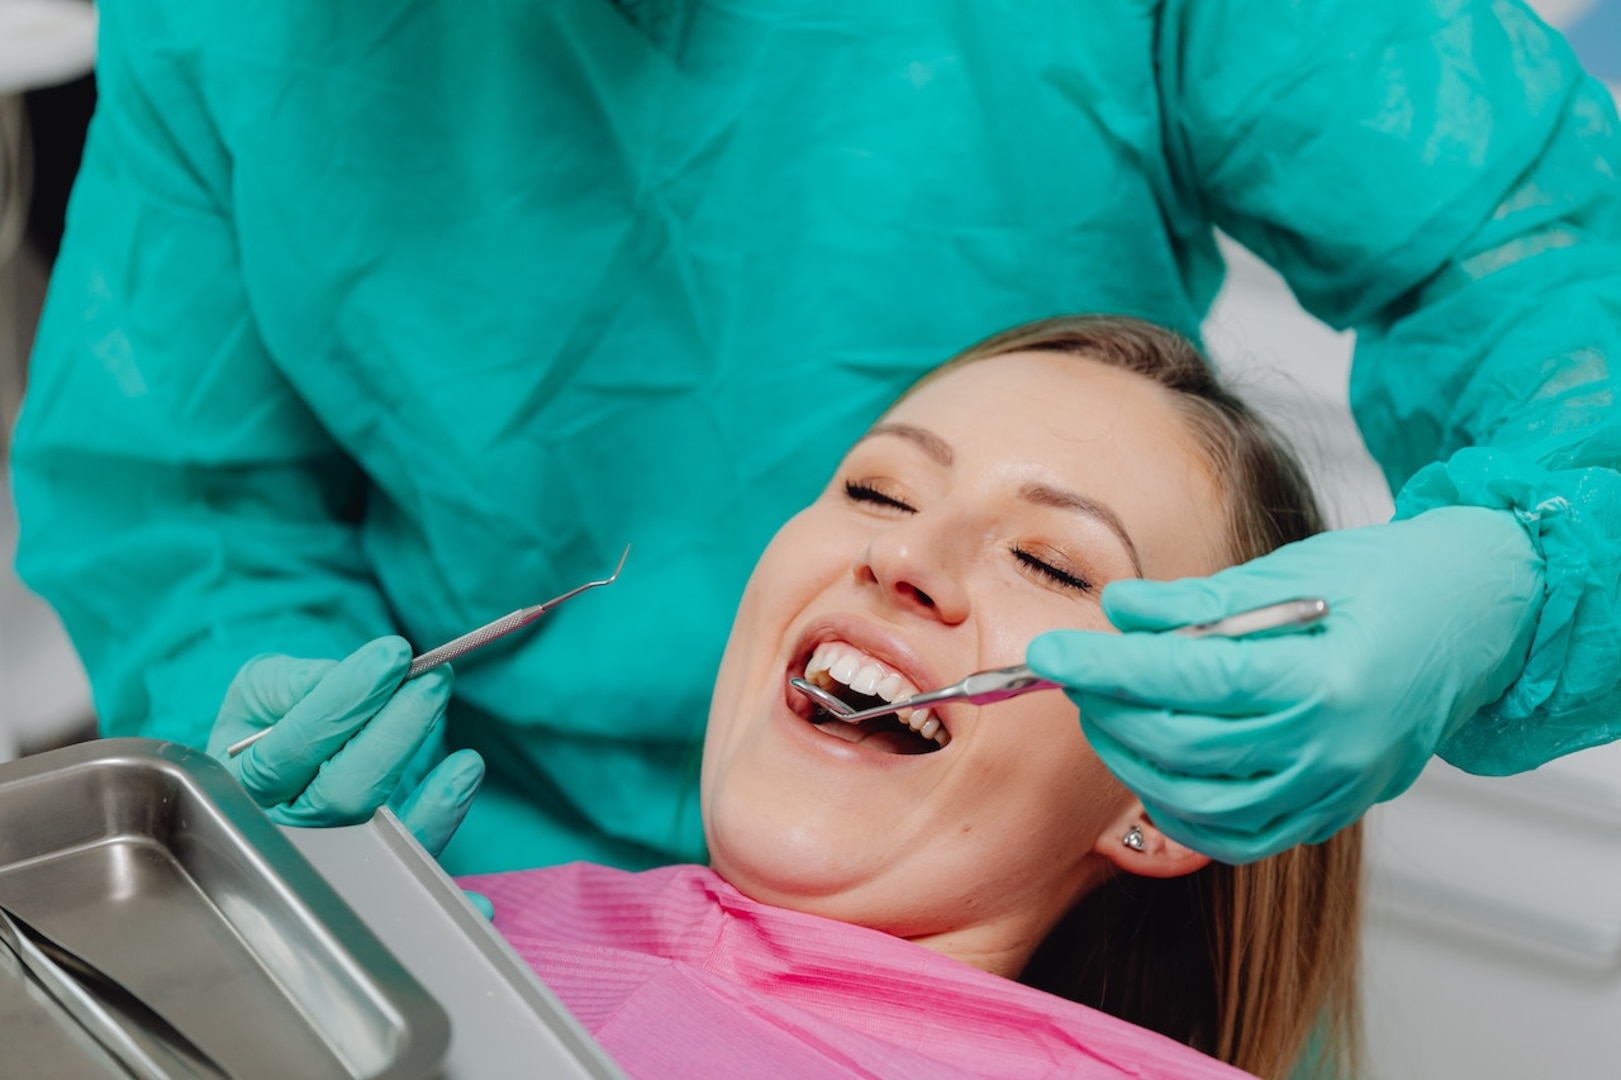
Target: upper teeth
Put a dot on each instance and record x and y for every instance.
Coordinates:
(835, 662)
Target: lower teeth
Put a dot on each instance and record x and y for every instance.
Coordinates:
(892, 723)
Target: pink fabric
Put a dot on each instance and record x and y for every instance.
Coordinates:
(676, 973)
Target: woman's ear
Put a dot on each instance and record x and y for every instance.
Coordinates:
(1133, 845)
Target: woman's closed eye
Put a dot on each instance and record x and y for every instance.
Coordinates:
(1043, 569)
(872, 492)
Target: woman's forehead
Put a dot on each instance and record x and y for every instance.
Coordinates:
(1067, 376)
(1067, 410)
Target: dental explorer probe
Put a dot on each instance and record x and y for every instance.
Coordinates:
(473, 639)
(999, 684)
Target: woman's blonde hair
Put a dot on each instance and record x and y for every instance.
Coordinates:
(1257, 964)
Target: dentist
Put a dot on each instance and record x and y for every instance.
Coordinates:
(376, 320)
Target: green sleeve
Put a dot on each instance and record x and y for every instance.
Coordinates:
(179, 506)
(1441, 176)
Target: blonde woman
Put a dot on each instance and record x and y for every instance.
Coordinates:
(968, 891)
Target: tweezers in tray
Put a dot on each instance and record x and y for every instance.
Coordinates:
(148, 861)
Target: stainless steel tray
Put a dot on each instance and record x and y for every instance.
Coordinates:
(505, 1023)
(148, 861)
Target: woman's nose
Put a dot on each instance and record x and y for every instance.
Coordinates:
(912, 568)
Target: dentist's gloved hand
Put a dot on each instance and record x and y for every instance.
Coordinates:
(1241, 748)
(343, 734)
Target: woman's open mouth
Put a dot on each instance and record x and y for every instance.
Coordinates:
(862, 682)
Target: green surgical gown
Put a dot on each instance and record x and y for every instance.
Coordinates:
(394, 315)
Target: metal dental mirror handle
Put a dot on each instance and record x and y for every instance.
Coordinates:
(468, 642)
(999, 684)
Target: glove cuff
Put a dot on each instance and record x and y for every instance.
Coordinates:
(1563, 698)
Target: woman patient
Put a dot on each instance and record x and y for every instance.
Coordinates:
(967, 891)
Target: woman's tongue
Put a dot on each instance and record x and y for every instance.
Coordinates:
(883, 734)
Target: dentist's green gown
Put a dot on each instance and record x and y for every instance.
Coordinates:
(394, 315)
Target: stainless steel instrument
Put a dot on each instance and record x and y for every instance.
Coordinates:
(136, 1036)
(999, 684)
(473, 639)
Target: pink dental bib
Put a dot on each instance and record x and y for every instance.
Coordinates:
(677, 973)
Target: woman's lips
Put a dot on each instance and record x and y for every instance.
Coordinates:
(869, 742)
(907, 732)
(883, 645)
(886, 660)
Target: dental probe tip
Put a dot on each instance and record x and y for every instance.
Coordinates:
(465, 644)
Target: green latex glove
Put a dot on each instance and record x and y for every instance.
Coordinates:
(343, 734)
(481, 902)
(1241, 748)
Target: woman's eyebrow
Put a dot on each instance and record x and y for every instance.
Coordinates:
(930, 443)
(1062, 499)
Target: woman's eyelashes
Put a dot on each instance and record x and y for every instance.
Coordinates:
(870, 491)
(1042, 568)
(873, 493)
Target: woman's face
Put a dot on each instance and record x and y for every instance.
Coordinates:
(990, 506)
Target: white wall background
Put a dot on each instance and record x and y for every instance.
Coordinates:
(42, 689)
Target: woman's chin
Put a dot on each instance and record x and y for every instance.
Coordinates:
(768, 863)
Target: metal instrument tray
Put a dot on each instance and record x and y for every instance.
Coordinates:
(505, 1023)
(147, 860)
